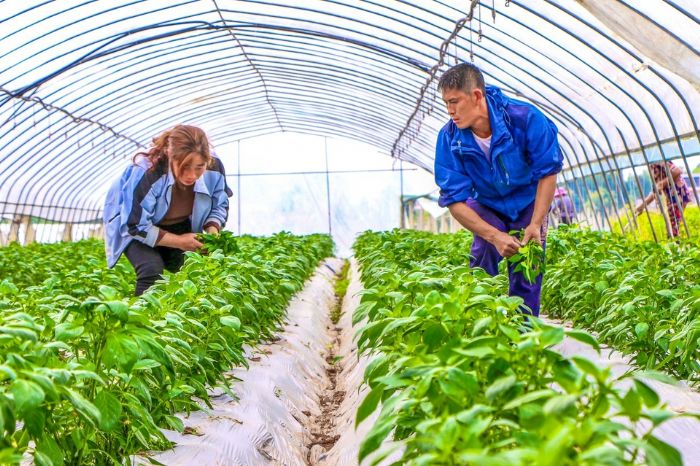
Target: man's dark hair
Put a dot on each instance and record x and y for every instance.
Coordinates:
(465, 77)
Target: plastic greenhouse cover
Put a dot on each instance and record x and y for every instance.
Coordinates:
(83, 85)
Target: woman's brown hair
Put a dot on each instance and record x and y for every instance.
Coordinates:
(182, 140)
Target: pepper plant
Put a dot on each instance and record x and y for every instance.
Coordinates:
(460, 377)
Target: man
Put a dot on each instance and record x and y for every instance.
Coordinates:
(496, 162)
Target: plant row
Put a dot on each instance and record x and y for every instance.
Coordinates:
(461, 377)
(94, 380)
(77, 268)
(642, 298)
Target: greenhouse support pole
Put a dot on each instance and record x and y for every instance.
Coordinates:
(328, 186)
(639, 187)
(402, 220)
(238, 173)
(67, 235)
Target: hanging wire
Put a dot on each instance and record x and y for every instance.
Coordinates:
(443, 55)
(52, 108)
(255, 68)
(481, 32)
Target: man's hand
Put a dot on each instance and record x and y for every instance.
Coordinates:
(532, 232)
(189, 242)
(505, 244)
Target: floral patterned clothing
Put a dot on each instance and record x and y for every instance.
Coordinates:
(676, 199)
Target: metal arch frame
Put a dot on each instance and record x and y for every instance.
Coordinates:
(594, 145)
(641, 107)
(663, 106)
(137, 82)
(88, 141)
(580, 108)
(213, 115)
(678, 8)
(90, 56)
(84, 32)
(676, 135)
(664, 28)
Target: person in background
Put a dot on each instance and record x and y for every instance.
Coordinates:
(496, 162)
(563, 206)
(170, 192)
(673, 188)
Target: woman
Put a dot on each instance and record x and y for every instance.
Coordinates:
(171, 191)
(563, 206)
(677, 193)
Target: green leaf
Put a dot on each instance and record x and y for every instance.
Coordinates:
(8, 371)
(27, 395)
(107, 292)
(588, 366)
(145, 364)
(558, 405)
(641, 329)
(376, 436)
(175, 423)
(656, 375)
(632, 404)
(231, 321)
(434, 335)
(110, 410)
(189, 287)
(500, 386)
(658, 416)
(660, 453)
(584, 337)
(648, 394)
(49, 447)
(120, 309)
(42, 459)
(67, 331)
(369, 404)
(10, 456)
(480, 325)
(552, 336)
(466, 380)
(34, 422)
(528, 398)
(478, 352)
(121, 350)
(83, 406)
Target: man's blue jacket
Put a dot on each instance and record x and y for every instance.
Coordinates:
(524, 149)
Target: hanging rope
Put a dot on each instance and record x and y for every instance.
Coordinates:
(252, 65)
(408, 131)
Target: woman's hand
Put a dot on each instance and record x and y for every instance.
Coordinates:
(189, 242)
(212, 230)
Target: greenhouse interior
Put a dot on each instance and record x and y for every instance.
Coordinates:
(350, 232)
